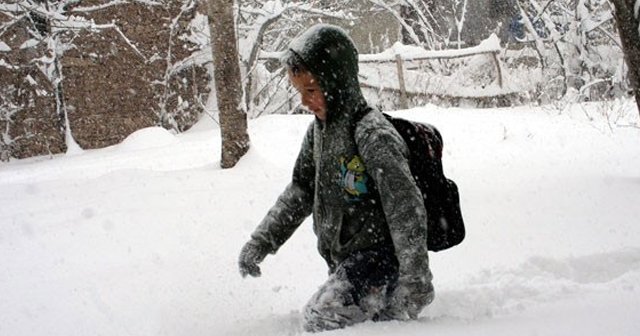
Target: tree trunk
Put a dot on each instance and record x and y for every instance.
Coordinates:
(628, 26)
(233, 119)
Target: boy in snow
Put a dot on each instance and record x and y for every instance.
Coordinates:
(352, 174)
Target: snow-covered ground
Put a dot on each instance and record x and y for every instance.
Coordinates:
(142, 238)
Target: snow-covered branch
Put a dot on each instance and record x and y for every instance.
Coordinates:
(426, 23)
(4, 64)
(461, 19)
(113, 3)
(533, 35)
(128, 42)
(278, 9)
(399, 19)
(171, 67)
(267, 17)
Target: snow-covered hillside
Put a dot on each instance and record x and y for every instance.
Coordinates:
(142, 238)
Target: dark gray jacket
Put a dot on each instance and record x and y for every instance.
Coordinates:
(352, 172)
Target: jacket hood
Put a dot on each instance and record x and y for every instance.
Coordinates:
(331, 56)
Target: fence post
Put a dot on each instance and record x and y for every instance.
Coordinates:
(403, 90)
(498, 67)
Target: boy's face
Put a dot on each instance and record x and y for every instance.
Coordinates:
(311, 95)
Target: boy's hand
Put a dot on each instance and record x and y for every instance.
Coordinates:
(250, 256)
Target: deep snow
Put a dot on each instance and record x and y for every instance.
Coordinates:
(142, 238)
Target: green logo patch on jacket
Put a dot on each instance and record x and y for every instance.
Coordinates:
(353, 177)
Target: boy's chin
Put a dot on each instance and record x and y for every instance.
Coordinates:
(320, 115)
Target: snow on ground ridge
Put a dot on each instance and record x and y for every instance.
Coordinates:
(536, 282)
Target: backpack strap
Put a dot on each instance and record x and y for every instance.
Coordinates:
(362, 111)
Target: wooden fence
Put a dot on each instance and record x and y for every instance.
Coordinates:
(402, 54)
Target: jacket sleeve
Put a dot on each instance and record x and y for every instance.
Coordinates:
(385, 157)
(293, 205)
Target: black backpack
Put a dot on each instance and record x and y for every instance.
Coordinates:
(445, 227)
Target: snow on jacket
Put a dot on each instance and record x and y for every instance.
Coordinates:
(354, 179)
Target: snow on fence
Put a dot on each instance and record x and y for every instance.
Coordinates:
(400, 54)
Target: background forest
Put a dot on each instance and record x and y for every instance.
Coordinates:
(86, 74)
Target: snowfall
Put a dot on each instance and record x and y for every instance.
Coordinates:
(142, 238)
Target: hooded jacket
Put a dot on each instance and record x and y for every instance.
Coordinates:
(352, 170)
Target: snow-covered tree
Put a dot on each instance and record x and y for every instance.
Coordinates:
(426, 23)
(627, 14)
(167, 43)
(47, 24)
(576, 46)
(106, 74)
